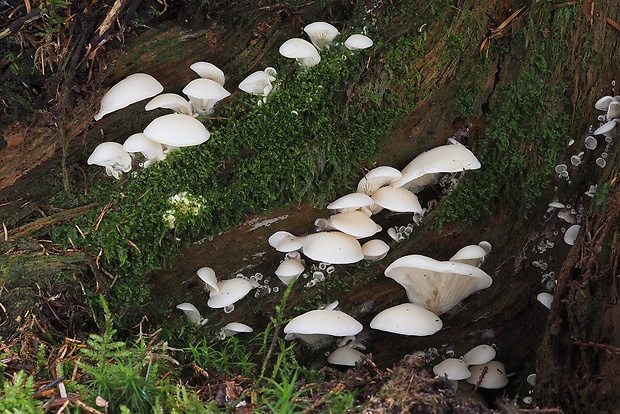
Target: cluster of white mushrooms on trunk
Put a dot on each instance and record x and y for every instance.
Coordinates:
(607, 130)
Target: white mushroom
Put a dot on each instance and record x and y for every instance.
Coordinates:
(132, 89)
(571, 234)
(289, 270)
(397, 199)
(425, 168)
(332, 247)
(356, 223)
(377, 178)
(223, 294)
(285, 242)
(257, 83)
(491, 375)
(192, 313)
(321, 34)
(172, 101)
(177, 130)
(234, 328)
(312, 326)
(472, 254)
(358, 42)
(301, 50)
(452, 368)
(345, 355)
(546, 299)
(204, 94)
(352, 201)
(208, 70)
(480, 354)
(151, 150)
(374, 250)
(113, 157)
(407, 319)
(435, 285)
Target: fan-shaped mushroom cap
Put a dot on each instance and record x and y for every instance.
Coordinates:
(332, 247)
(208, 70)
(230, 291)
(257, 83)
(323, 322)
(132, 89)
(112, 156)
(192, 313)
(151, 150)
(204, 94)
(494, 377)
(374, 250)
(453, 368)
(358, 42)
(345, 355)
(407, 319)
(207, 275)
(170, 101)
(355, 222)
(546, 299)
(480, 354)
(603, 103)
(233, 328)
(571, 234)
(423, 169)
(606, 129)
(321, 34)
(397, 199)
(283, 241)
(435, 285)
(289, 270)
(377, 178)
(301, 50)
(613, 111)
(472, 255)
(352, 201)
(177, 130)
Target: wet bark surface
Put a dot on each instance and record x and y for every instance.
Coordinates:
(574, 348)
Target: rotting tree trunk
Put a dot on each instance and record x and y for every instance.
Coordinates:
(578, 360)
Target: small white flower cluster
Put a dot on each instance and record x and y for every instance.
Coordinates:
(182, 203)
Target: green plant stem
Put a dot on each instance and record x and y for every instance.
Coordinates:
(277, 323)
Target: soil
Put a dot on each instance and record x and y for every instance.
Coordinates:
(573, 348)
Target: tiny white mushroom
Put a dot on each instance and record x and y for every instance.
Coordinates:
(571, 234)
(312, 326)
(545, 298)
